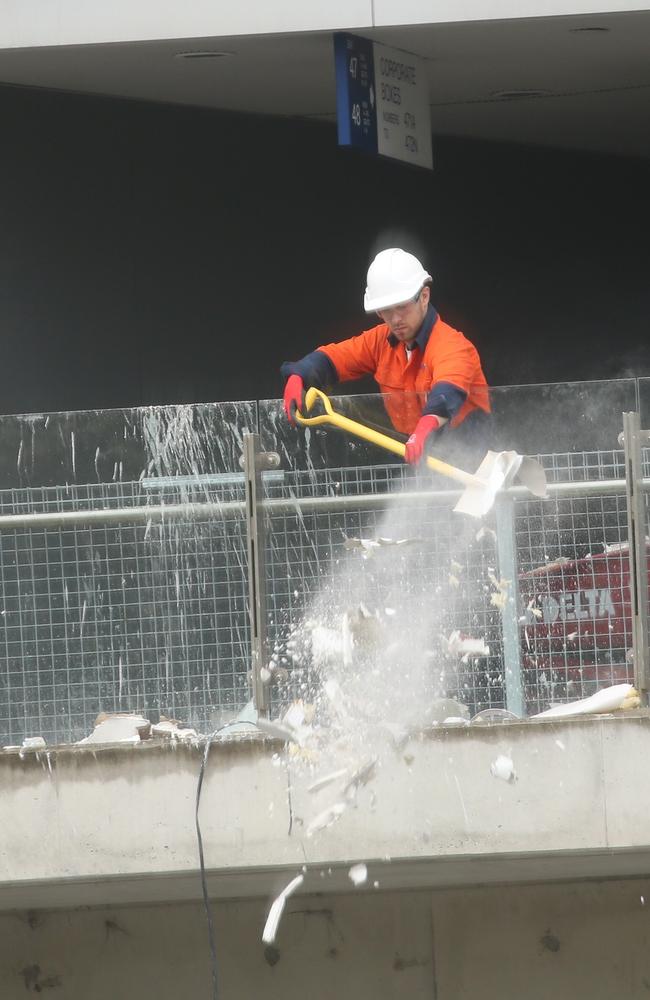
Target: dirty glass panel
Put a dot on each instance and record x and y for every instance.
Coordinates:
(644, 402)
(123, 567)
(573, 572)
(577, 423)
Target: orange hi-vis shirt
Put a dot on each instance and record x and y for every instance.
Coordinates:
(446, 356)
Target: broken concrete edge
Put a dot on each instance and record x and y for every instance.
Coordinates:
(248, 741)
(195, 746)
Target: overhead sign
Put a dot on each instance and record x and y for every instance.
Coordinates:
(382, 100)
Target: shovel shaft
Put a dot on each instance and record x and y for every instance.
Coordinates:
(496, 471)
(390, 444)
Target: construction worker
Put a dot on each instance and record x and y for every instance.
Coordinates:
(430, 374)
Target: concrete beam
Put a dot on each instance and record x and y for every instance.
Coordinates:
(116, 824)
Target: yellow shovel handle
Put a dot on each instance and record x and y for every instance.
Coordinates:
(330, 416)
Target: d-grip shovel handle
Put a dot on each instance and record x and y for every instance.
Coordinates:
(330, 416)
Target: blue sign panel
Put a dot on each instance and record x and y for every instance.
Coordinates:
(356, 105)
(390, 116)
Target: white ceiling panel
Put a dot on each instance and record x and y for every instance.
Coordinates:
(546, 80)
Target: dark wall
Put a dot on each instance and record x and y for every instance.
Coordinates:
(154, 254)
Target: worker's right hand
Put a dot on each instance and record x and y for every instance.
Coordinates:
(293, 396)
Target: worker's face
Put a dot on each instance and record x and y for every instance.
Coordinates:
(405, 319)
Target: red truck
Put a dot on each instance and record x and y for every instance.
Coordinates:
(576, 630)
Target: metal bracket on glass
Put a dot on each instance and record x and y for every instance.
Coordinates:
(255, 462)
(632, 439)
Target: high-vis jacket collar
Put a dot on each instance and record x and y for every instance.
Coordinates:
(421, 338)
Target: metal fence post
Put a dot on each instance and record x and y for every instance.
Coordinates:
(633, 438)
(254, 461)
(507, 556)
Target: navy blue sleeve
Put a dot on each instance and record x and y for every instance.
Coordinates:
(444, 400)
(315, 369)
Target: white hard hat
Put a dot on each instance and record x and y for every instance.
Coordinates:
(394, 276)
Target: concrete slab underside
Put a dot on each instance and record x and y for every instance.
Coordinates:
(565, 941)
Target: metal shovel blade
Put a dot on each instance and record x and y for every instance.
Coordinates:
(532, 476)
(498, 470)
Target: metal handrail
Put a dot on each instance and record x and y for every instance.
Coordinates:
(281, 505)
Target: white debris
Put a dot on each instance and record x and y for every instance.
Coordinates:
(368, 546)
(173, 729)
(277, 731)
(503, 768)
(294, 717)
(499, 597)
(457, 646)
(617, 547)
(360, 777)
(534, 611)
(265, 675)
(485, 532)
(34, 743)
(119, 728)
(454, 581)
(609, 699)
(389, 611)
(327, 779)
(358, 874)
(277, 907)
(571, 636)
(326, 818)
(560, 745)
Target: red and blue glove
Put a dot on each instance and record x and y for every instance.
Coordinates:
(415, 445)
(293, 395)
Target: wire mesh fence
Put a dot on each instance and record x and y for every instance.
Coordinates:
(574, 588)
(124, 588)
(148, 617)
(143, 610)
(572, 566)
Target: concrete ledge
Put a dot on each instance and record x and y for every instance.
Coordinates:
(116, 823)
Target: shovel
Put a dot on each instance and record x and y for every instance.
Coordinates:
(498, 470)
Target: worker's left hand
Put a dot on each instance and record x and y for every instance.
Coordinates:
(415, 445)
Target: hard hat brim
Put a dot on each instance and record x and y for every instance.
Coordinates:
(386, 301)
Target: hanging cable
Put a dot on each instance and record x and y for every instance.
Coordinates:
(204, 881)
